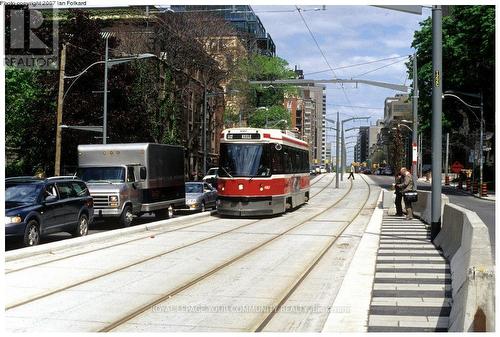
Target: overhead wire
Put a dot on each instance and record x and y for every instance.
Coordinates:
(358, 64)
(373, 70)
(322, 53)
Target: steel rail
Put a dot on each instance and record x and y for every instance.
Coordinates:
(198, 279)
(309, 269)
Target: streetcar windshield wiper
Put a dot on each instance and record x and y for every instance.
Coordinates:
(222, 167)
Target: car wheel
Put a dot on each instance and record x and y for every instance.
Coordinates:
(127, 217)
(203, 206)
(31, 234)
(82, 227)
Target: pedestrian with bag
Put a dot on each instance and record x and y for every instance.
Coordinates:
(406, 188)
(399, 195)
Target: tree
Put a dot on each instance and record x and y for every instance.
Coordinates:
(468, 66)
(269, 117)
(257, 98)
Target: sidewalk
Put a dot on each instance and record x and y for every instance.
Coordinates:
(490, 197)
(412, 284)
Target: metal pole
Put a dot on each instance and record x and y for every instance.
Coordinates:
(105, 112)
(447, 154)
(437, 146)
(337, 150)
(481, 148)
(60, 97)
(342, 159)
(415, 121)
(204, 137)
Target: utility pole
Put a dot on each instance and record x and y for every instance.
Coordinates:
(415, 123)
(204, 137)
(342, 162)
(447, 154)
(60, 96)
(481, 146)
(337, 149)
(437, 104)
(105, 111)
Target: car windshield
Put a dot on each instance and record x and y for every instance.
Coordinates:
(101, 174)
(244, 160)
(212, 172)
(22, 193)
(194, 188)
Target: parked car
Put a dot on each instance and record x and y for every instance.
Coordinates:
(388, 171)
(211, 176)
(366, 170)
(200, 196)
(35, 207)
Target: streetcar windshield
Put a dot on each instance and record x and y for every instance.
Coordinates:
(244, 160)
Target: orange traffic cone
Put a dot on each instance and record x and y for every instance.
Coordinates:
(484, 190)
(447, 180)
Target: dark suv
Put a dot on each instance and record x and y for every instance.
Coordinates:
(35, 207)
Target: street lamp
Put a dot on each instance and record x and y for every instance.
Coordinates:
(62, 95)
(450, 93)
(343, 146)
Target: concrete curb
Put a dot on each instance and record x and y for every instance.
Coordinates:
(75, 242)
(356, 288)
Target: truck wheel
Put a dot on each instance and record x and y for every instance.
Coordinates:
(126, 217)
(82, 227)
(31, 234)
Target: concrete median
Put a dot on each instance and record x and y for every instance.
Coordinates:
(465, 241)
(99, 237)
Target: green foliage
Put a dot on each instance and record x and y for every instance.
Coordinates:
(468, 62)
(263, 68)
(272, 116)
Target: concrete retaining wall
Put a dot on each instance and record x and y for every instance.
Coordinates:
(465, 241)
(422, 208)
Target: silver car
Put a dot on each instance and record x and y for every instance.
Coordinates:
(200, 196)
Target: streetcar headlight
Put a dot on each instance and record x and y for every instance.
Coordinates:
(13, 219)
(240, 187)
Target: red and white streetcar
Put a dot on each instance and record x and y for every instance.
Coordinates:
(261, 172)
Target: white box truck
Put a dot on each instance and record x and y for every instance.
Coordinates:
(133, 179)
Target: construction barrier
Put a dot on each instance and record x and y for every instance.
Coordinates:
(467, 184)
(474, 188)
(484, 190)
(447, 180)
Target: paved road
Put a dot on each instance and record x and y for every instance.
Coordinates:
(485, 209)
(213, 274)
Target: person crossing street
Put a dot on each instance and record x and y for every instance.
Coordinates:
(351, 174)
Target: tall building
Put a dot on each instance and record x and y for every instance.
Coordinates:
(361, 150)
(314, 112)
(243, 18)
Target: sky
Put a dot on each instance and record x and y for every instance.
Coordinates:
(347, 35)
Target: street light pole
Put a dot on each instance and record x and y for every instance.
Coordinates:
(105, 111)
(415, 122)
(481, 147)
(204, 138)
(337, 152)
(60, 99)
(437, 143)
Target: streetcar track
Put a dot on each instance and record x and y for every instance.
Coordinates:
(311, 266)
(132, 240)
(205, 275)
(143, 260)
